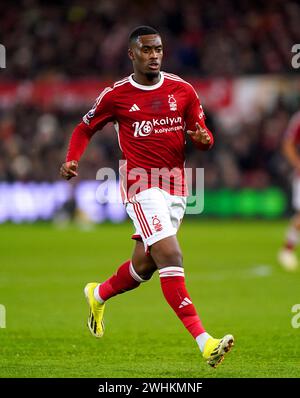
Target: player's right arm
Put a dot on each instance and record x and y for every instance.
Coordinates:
(291, 153)
(101, 113)
(291, 138)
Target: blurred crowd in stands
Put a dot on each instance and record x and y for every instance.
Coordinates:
(72, 39)
(89, 37)
(34, 144)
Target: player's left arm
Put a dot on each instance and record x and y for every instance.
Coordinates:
(201, 136)
(195, 123)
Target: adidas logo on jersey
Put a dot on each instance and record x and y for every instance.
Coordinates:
(186, 301)
(134, 108)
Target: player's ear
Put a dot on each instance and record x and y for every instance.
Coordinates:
(130, 54)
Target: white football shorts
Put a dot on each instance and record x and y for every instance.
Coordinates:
(156, 215)
(296, 193)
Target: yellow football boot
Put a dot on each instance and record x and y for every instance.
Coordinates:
(95, 318)
(215, 349)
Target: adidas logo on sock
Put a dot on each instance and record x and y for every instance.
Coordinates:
(134, 108)
(186, 301)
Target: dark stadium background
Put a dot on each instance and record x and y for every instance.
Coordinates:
(59, 56)
(237, 53)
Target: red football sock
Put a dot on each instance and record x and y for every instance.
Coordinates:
(123, 280)
(174, 290)
(289, 245)
(292, 238)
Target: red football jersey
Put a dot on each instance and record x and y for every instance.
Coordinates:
(293, 129)
(151, 122)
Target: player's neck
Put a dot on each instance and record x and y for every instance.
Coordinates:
(145, 80)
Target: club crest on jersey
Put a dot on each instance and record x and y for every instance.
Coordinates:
(157, 224)
(142, 129)
(91, 113)
(172, 102)
(201, 114)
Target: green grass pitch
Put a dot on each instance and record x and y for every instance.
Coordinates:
(231, 274)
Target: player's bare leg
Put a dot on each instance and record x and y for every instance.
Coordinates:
(168, 257)
(127, 277)
(287, 255)
(167, 252)
(143, 264)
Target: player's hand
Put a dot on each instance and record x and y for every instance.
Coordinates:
(200, 135)
(68, 170)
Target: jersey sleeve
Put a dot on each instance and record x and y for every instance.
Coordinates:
(194, 114)
(102, 112)
(194, 111)
(78, 142)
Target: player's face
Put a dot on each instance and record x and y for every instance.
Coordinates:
(146, 54)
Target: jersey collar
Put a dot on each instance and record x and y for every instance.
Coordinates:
(142, 87)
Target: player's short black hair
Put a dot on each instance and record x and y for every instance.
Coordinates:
(140, 31)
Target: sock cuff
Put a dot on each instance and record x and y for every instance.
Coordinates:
(97, 294)
(134, 275)
(171, 271)
(201, 340)
(292, 235)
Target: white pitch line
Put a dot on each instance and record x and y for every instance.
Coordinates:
(261, 270)
(257, 271)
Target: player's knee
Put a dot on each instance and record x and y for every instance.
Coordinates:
(167, 253)
(177, 258)
(146, 273)
(144, 270)
(147, 276)
(171, 257)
